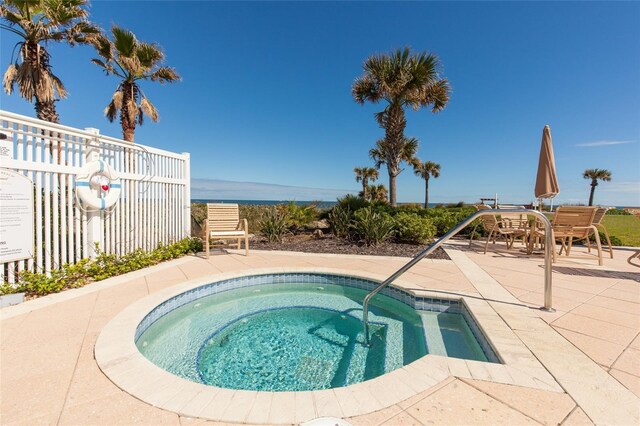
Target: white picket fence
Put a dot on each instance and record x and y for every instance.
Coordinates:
(154, 203)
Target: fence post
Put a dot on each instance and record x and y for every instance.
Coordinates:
(186, 222)
(94, 218)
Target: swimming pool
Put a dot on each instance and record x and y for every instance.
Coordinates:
(299, 332)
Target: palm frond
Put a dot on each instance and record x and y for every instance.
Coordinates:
(148, 54)
(148, 108)
(81, 33)
(116, 99)
(58, 86)
(365, 89)
(131, 65)
(165, 75)
(111, 111)
(103, 47)
(124, 41)
(132, 110)
(25, 78)
(9, 79)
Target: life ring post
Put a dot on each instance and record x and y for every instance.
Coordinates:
(94, 217)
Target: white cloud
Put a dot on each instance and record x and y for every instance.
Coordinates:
(603, 143)
(216, 189)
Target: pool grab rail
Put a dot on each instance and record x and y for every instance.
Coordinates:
(548, 257)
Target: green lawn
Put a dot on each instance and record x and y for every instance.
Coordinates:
(627, 228)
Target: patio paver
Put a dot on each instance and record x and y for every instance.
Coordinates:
(49, 375)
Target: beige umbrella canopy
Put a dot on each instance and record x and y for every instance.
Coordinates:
(546, 182)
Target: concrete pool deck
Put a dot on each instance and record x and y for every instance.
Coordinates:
(589, 348)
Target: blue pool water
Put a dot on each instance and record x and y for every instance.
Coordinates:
(293, 337)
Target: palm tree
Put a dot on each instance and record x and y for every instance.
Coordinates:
(38, 22)
(425, 171)
(131, 61)
(387, 153)
(378, 193)
(595, 175)
(402, 80)
(365, 174)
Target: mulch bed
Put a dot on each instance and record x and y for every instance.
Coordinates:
(329, 244)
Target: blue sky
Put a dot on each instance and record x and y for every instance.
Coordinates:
(265, 95)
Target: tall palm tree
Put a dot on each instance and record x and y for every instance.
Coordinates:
(595, 175)
(131, 61)
(425, 171)
(388, 153)
(365, 174)
(38, 22)
(378, 193)
(401, 79)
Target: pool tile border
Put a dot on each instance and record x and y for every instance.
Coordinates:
(119, 359)
(432, 304)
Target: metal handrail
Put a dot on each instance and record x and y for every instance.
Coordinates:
(548, 254)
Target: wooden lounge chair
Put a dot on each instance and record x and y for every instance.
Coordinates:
(223, 223)
(495, 228)
(597, 222)
(571, 223)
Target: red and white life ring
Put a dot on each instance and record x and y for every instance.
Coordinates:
(98, 185)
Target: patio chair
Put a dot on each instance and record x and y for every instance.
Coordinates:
(497, 227)
(597, 222)
(516, 222)
(569, 224)
(223, 223)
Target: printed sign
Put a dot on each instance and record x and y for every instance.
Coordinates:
(6, 144)
(16, 216)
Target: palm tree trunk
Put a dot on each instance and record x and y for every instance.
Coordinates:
(426, 193)
(392, 189)
(47, 111)
(394, 123)
(128, 134)
(593, 189)
(365, 184)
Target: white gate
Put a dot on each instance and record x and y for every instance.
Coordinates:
(153, 208)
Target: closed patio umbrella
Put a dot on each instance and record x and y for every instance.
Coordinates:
(546, 181)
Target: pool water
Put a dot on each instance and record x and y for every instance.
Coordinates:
(296, 337)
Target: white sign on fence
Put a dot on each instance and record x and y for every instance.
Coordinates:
(6, 145)
(16, 216)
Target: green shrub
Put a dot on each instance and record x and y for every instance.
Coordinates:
(102, 267)
(340, 221)
(273, 224)
(299, 216)
(253, 214)
(352, 202)
(411, 206)
(444, 222)
(411, 228)
(615, 241)
(618, 212)
(371, 227)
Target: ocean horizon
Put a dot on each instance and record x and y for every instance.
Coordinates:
(319, 203)
(322, 204)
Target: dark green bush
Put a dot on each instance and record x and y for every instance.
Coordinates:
(340, 221)
(274, 224)
(352, 202)
(102, 267)
(299, 216)
(618, 212)
(412, 228)
(371, 227)
(615, 241)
